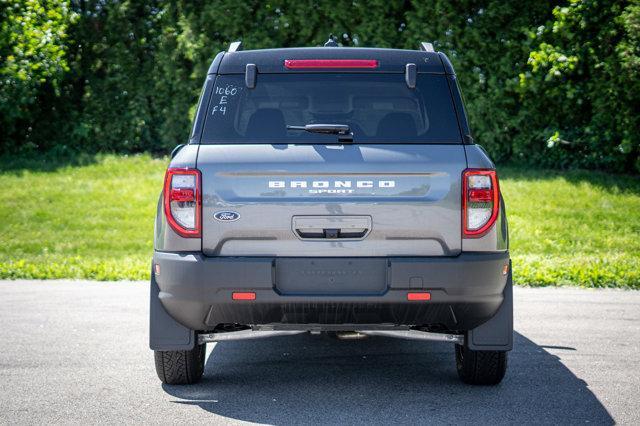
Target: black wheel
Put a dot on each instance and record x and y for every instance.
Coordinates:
(480, 367)
(180, 367)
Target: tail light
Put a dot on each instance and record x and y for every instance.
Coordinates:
(480, 201)
(183, 201)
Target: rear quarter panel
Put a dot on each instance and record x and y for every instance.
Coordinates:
(497, 239)
(165, 239)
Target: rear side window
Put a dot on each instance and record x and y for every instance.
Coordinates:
(379, 108)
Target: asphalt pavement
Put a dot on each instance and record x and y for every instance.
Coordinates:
(76, 352)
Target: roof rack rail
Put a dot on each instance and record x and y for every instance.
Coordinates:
(235, 46)
(426, 47)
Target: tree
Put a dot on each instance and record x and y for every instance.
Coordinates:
(33, 63)
(582, 91)
(551, 83)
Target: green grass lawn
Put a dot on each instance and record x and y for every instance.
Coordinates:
(96, 221)
(93, 221)
(573, 228)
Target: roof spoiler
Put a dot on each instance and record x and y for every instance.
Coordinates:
(235, 46)
(426, 47)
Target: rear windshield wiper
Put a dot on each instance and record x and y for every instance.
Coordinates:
(342, 130)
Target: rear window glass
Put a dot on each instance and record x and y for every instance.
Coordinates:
(378, 108)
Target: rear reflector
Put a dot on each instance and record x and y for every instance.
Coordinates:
(243, 296)
(505, 269)
(418, 296)
(294, 64)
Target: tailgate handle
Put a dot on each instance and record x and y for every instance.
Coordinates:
(332, 234)
(331, 227)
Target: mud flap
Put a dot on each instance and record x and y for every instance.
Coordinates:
(497, 333)
(165, 333)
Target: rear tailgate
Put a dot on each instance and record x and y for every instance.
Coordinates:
(331, 200)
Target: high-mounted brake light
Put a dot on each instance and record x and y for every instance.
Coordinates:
(480, 201)
(294, 64)
(183, 201)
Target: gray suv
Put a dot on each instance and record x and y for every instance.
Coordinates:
(331, 190)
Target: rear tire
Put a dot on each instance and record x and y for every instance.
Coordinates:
(180, 367)
(480, 367)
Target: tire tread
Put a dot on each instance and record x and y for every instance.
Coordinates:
(480, 367)
(180, 367)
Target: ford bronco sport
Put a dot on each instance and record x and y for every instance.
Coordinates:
(331, 189)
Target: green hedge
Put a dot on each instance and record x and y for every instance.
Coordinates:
(547, 83)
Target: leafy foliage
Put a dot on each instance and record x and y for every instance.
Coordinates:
(583, 89)
(33, 65)
(552, 83)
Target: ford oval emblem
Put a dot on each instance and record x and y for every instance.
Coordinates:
(226, 216)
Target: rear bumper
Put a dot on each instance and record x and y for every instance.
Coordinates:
(466, 290)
